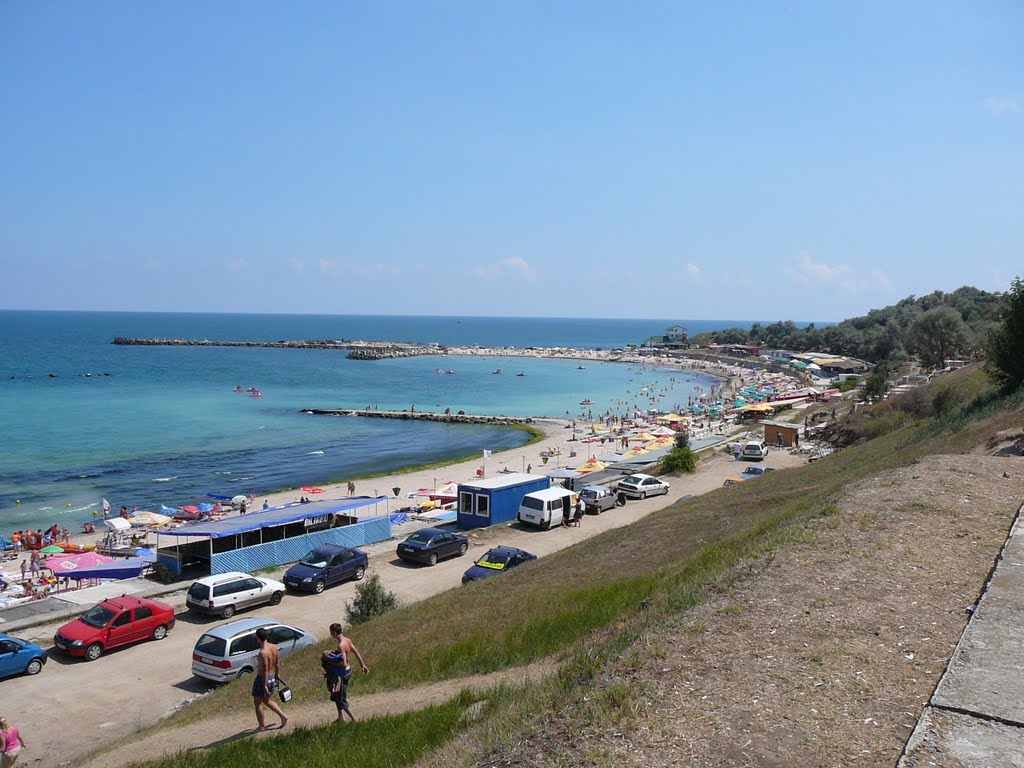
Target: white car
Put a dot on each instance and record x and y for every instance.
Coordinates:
(226, 593)
(642, 486)
(755, 450)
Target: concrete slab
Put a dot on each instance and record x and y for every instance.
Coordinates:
(986, 673)
(952, 739)
(976, 715)
(92, 595)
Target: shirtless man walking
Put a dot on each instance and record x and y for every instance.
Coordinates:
(338, 665)
(267, 671)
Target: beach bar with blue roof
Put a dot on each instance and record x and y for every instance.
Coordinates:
(274, 536)
(495, 499)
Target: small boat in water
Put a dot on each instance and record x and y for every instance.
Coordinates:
(580, 368)
(520, 374)
(588, 401)
(497, 371)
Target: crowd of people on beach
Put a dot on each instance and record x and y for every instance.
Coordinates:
(30, 540)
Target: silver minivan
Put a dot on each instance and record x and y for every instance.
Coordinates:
(230, 650)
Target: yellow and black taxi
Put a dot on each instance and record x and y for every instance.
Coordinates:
(496, 560)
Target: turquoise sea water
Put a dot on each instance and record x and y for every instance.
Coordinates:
(165, 426)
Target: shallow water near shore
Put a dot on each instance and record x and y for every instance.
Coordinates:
(165, 427)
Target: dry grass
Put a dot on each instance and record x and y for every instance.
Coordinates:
(821, 654)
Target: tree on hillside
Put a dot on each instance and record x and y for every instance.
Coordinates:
(1005, 347)
(877, 384)
(938, 334)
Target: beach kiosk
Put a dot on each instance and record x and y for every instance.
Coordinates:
(781, 433)
(495, 499)
(272, 536)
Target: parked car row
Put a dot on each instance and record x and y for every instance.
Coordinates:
(229, 651)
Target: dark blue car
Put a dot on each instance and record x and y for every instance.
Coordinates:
(19, 657)
(326, 565)
(496, 560)
(428, 545)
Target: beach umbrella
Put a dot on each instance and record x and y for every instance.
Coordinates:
(70, 562)
(591, 465)
(239, 499)
(611, 458)
(670, 417)
(663, 432)
(448, 490)
(644, 437)
(310, 489)
(149, 518)
(52, 549)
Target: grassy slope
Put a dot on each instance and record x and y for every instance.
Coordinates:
(584, 601)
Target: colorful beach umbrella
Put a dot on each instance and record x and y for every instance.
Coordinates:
(71, 562)
(51, 549)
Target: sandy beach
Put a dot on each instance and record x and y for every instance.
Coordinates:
(557, 440)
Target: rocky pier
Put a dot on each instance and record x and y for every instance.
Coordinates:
(459, 417)
(357, 350)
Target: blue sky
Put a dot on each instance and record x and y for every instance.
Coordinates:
(643, 159)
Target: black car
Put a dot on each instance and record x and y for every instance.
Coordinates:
(496, 560)
(326, 565)
(428, 545)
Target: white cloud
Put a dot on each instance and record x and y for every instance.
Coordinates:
(511, 266)
(693, 271)
(239, 265)
(297, 265)
(841, 276)
(881, 280)
(1004, 105)
(809, 271)
(517, 264)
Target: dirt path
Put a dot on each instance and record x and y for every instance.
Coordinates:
(214, 731)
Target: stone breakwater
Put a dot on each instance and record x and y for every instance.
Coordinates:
(450, 418)
(358, 350)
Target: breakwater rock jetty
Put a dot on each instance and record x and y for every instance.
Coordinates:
(357, 350)
(460, 417)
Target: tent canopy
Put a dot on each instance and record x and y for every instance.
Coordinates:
(122, 569)
(267, 518)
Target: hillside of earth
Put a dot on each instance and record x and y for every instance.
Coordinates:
(802, 618)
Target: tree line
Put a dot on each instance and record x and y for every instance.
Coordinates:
(933, 328)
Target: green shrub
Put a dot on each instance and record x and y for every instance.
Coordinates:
(848, 384)
(681, 458)
(371, 600)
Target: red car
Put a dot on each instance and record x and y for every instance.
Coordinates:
(114, 623)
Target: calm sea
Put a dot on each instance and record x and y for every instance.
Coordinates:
(165, 427)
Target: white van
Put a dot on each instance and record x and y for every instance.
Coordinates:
(755, 450)
(546, 508)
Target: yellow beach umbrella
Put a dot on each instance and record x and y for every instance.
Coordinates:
(670, 417)
(591, 465)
